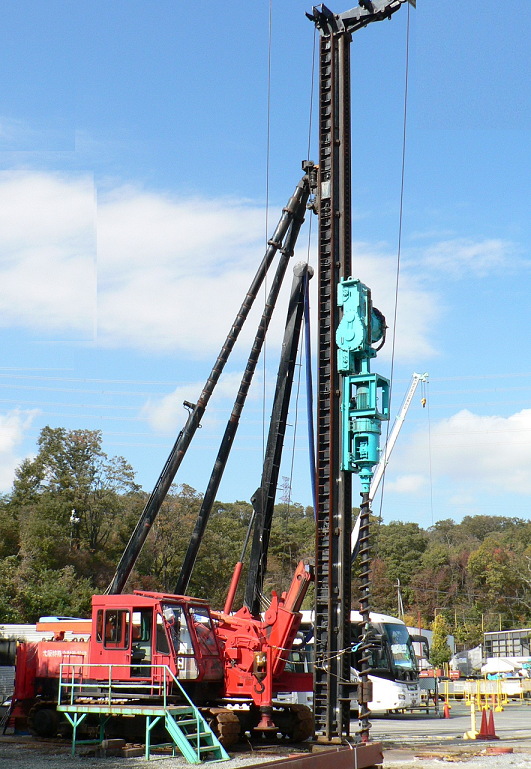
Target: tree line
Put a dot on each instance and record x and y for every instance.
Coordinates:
(71, 511)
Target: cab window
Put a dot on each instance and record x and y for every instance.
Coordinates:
(203, 629)
(99, 626)
(163, 646)
(116, 629)
(141, 627)
(180, 635)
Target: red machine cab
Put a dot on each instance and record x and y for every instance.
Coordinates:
(136, 632)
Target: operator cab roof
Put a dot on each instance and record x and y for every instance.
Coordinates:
(144, 598)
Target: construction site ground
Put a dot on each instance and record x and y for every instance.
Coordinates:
(409, 740)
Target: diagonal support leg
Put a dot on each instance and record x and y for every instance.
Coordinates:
(75, 722)
(149, 726)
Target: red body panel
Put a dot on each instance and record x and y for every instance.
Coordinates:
(241, 656)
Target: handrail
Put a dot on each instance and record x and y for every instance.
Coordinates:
(69, 683)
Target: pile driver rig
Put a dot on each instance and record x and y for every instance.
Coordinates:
(245, 655)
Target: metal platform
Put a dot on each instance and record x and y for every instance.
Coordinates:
(190, 733)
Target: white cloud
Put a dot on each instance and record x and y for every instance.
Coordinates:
(168, 415)
(418, 308)
(406, 484)
(459, 256)
(172, 272)
(47, 253)
(13, 424)
(487, 453)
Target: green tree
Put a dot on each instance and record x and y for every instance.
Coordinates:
(9, 530)
(440, 652)
(58, 523)
(401, 546)
(74, 487)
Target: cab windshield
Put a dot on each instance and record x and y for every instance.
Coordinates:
(180, 635)
(401, 647)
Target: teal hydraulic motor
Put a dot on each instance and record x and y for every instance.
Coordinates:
(365, 401)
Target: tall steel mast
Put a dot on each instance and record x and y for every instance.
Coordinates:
(332, 689)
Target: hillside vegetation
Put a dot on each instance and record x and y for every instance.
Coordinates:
(72, 509)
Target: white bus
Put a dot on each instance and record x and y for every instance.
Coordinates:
(395, 683)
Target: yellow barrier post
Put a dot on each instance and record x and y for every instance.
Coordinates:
(499, 706)
(473, 733)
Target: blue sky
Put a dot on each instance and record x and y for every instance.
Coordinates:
(132, 207)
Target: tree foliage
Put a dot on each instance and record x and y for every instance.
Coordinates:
(440, 652)
(72, 510)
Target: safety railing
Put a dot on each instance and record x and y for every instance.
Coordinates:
(484, 692)
(107, 685)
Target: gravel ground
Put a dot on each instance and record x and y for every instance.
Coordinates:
(513, 761)
(43, 756)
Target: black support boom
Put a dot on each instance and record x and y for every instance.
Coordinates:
(290, 213)
(264, 498)
(234, 419)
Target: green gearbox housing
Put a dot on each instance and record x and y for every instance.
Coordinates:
(365, 401)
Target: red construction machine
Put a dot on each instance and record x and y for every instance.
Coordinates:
(231, 665)
(154, 647)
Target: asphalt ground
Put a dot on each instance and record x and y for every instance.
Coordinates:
(410, 741)
(417, 741)
(513, 725)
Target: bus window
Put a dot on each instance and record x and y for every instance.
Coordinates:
(401, 647)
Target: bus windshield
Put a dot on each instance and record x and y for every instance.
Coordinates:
(401, 647)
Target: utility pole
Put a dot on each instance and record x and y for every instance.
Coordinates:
(340, 389)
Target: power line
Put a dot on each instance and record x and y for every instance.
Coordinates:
(84, 379)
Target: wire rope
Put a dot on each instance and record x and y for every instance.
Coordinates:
(429, 452)
(312, 88)
(307, 338)
(399, 253)
(268, 150)
(294, 440)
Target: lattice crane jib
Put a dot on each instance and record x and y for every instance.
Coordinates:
(348, 417)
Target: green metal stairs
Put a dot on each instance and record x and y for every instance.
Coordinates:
(192, 736)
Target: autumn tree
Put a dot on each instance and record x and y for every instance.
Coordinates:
(440, 652)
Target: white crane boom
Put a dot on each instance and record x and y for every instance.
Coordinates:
(384, 460)
(399, 421)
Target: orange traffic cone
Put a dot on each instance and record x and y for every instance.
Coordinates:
(446, 709)
(490, 728)
(484, 730)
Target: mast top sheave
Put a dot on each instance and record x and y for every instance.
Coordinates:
(367, 11)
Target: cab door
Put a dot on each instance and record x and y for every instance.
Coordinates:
(161, 645)
(141, 642)
(115, 648)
